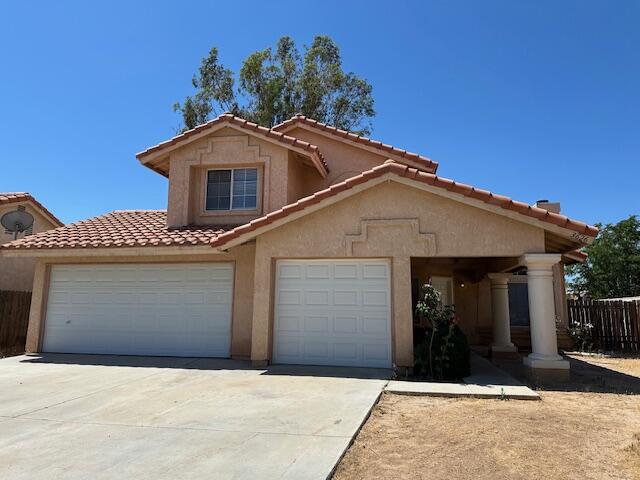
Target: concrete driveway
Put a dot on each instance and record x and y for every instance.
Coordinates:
(98, 417)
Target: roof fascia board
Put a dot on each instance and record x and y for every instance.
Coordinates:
(369, 148)
(576, 237)
(566, 233)
(107, 252)
(164, 152)
(306, 211)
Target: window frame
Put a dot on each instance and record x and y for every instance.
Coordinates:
(231, 210)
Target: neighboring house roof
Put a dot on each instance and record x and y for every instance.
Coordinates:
(403, 156)
(292, 143)
(121, 228)
(390, 167)
(21, 197)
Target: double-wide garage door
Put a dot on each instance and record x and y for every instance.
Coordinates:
(333, 312)
(140, 309)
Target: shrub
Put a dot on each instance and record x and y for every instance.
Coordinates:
(582, 336)
(444, 351)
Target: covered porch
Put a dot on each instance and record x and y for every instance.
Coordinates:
(505, 304)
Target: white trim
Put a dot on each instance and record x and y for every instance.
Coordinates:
(231, 209)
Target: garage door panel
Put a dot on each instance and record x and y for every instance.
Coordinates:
(333, 312)
(176, 309)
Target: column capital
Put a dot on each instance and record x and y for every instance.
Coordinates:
(540, 260)
(499, 278)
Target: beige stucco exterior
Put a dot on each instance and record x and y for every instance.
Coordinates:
(419, 230)
(17, 273)
(367, 225)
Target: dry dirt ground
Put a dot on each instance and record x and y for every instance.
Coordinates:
(592, 432)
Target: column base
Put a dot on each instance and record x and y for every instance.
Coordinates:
(259, 363)
(546, 362)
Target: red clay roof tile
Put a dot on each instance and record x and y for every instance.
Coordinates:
(423, 177)
(121, 228)
(242, 123)
(420, 160)
(17, 197)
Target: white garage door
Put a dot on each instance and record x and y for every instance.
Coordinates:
(333, 312)
(138, 309)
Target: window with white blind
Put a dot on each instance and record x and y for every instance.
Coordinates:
(232, 189)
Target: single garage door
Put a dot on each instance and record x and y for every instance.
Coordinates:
(140, 309)
(333, 312)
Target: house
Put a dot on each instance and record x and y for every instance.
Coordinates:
(297, 244)
(16, 274)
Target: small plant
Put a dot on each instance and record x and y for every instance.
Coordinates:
(444, 351)
(582, 336)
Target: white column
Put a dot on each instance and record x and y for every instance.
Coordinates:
(544, 342)
(500, 309)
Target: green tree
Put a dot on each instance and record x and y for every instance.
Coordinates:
(612, 268)
(275, 84)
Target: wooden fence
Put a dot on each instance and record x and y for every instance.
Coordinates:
(616, 324)
(14, 318)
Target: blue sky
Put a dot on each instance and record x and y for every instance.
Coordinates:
(530, 99)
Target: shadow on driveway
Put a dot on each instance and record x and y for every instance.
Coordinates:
(206, 364)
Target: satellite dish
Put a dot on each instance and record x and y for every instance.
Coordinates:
(17, 221)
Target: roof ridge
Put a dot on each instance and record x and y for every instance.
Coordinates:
(242, 123)
(138, 210)
(414, 174)
(299, 118)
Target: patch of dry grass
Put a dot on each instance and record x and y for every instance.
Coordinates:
(567, 435)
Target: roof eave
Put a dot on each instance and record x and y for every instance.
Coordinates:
(578, 232)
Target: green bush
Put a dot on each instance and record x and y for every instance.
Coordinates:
(443, 353)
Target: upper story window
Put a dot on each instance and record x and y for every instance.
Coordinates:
(232, 189)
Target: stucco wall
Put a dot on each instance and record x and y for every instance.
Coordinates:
(17, 273)
(226, 148)
(386, 221)
(242, 312)
(344, 160)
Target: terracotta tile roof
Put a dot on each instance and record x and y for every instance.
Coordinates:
(121, 228)
(17, 197)
(427, 178)
(254, 128)
(419, 160)
(576, 256)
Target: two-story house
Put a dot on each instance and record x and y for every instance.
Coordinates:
(297, 244)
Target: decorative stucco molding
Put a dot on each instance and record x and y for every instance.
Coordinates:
(390, 237)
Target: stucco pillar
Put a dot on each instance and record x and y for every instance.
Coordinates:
(402, 312)
(500, 308)
(261, 309)
(37, 309)
(544, 342)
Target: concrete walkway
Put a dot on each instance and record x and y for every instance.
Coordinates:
(485, 381)
(110, 417)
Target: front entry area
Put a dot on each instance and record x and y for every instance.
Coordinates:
(333, 312)
(181, 309)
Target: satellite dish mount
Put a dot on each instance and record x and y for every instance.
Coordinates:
(17, 221)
